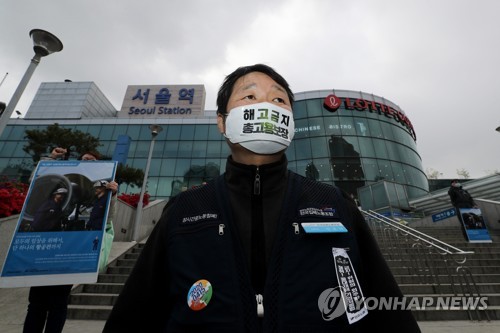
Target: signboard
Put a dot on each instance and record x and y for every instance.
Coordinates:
(163, 101)
(474, 224)
(59, 234)
(332, 103)
(444, 215)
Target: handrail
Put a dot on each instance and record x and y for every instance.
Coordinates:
(425, 264)
(487, 201)
(414, 232)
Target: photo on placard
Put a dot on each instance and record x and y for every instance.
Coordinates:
(59, 233)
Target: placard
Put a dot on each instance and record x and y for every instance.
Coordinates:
(58, 239)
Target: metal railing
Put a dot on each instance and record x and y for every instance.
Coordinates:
(433, 261)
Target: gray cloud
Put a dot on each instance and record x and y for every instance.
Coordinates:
(436, 59)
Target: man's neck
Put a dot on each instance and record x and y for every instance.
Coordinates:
(255, 159)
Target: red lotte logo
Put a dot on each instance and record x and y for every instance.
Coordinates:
(332, 103)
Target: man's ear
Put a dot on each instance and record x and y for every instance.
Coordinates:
(221, 124)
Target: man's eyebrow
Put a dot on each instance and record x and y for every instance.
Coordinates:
(280, 88)
(249, 86)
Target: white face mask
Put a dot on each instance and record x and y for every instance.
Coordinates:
(457, 184)
(263, 128)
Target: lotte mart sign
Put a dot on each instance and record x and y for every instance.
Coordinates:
(332, 103)
(156, 101)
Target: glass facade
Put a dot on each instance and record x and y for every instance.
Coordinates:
(347, 148)
(353, 147)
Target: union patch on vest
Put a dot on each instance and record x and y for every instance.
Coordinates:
(200, 218)
(318, 212)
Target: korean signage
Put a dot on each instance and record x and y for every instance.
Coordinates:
(444, 215)
(158, 101)
(332, 103)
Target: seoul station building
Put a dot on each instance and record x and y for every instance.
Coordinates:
(347, 138)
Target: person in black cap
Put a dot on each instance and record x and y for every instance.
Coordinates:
(48, 305)
(48, 217)
(459, 197)
(99, 209)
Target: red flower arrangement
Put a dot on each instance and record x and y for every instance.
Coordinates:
(133, 199)
(12, 196)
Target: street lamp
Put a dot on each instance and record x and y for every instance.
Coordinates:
(155, 129)
(44, 43)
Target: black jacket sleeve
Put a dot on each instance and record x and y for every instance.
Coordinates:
(379, 281)
(142, 305)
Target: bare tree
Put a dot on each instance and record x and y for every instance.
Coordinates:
(463, 173)
(432, 173)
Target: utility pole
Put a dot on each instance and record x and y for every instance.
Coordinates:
(4, 78)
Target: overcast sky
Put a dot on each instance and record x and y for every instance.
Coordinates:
(437, 59)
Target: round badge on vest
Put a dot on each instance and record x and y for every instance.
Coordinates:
(199, 295)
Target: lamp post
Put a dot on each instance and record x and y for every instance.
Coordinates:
(44, 43)
(155, 129)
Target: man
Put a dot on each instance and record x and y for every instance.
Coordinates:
(239, 254)
(48, 305)
(99, 208)
(49, 216)
(459, 197)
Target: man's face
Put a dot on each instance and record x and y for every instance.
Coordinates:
(99, 190)
(253, 88)
(58, 197)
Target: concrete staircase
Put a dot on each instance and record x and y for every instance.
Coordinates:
(426, 283)
(95, 301)
(433, 279)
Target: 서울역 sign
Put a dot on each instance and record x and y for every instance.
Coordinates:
(157, 101)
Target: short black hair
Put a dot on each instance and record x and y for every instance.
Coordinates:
(90, 152)
(226, 89)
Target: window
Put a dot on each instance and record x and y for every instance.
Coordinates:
(182, 167)
(314, 107)
(185, 149)
(187, 132)
(302, 150)
(380, 149)
(174, 133)
(299, 110)
(199, 149)
(213, 148)
(361, 126)
(171, 148)
(319, 147)
(316, 127)
(201, 132)
(332, 125)
(387, 130)
(142, 149)
(347, 126)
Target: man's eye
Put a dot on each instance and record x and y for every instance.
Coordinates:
(252, 97)
(279, 100)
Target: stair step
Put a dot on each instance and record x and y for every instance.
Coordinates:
(433, 314)
(93, 299)
(89, 312)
